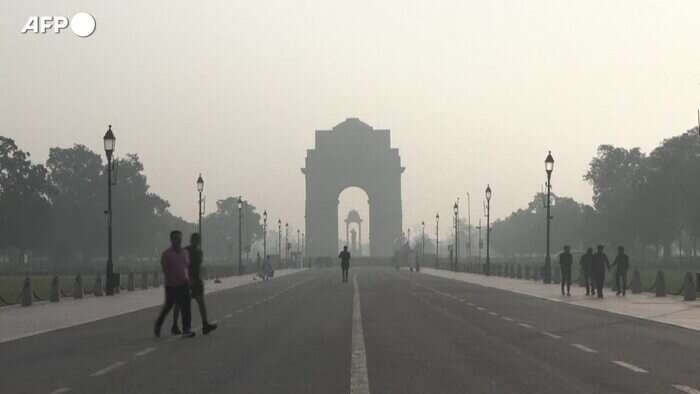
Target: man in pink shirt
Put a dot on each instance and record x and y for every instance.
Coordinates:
(175, 263)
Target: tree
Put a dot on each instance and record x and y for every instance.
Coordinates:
(24, 200)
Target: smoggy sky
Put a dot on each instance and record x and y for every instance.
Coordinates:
(474, 92)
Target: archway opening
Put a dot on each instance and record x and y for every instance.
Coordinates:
(353, 221)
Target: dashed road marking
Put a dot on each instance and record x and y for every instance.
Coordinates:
(631, 367)
(480, 308)
(549, 334)
(686, 389)
(109, 368)
(470, 303)
(493, 313)
(583, 348)
(359, 380)
(228, 316)
(506, 318)
(525, 325)
(145, 351)
(62, 390)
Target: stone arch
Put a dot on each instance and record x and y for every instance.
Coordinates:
(352, 154)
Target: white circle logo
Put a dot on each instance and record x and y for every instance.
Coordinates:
(82, 24)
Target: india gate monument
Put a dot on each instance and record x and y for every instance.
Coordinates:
(352, 154)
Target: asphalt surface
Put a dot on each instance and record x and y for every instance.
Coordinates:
(421, 334)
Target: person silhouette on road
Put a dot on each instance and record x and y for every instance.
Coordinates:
(621, 264)
(344, 257)
(600, 264)
(586, 262)
(175, 263)
(565, 262)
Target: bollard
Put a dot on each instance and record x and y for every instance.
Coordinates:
(556, 275)
(27, 292)
(156, 280)
(144, 280)
(97, 290)
(636, 284)
(536, 274)
(55, 294)
(527, 272)
(519, 272)
(78, 287)
(660, 285)
(689, 290)
(581, 281)
(130, 285)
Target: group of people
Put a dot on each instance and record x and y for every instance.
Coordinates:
(593, 267)
(182, 269)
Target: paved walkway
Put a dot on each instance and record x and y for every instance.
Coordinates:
(19, 322)
(670, 309)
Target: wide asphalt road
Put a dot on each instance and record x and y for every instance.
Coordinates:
(383, 332)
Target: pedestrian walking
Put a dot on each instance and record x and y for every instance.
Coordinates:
(344, 257)
(194, 250)
(586, 263)
(175, 264)
(621, 264)
(599, 264)
(566, 260)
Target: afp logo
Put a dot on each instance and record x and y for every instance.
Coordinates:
(82, 24)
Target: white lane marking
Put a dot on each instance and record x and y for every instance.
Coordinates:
(686, 389)
(583, 348)
(240, 310)
(549, 334)
(480, 308)
(493, 313)
(109, 368)
(506, 318)
(525, 325)
(359, 381)
(631, 367)
(145, 351)
(228, 316)
(470, 303)
(62, 390)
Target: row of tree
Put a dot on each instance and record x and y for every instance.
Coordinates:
(647, 202)
(56, 211)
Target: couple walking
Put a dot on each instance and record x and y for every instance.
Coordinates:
(181, 268)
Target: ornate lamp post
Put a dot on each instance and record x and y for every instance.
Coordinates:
(279, 237)
(109, 144)
(487, 267)
(455, 208)
(286, 243)
(240, 236)
(422, 245)
(437, 240)
(549, 168)
(265, 235)
(200, 189)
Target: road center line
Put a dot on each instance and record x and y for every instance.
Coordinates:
(145, 351)
(359, 381)
(109, 368)
(228, 316)
(525, 325)
(493, 313)
(62, 390)
(506, 318)
(480, 308)
(686, 389)
(549, 334)
(583, 348)
(631, 367)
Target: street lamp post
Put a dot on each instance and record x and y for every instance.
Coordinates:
(265, 235)
(549, 168)
(240, 236)
(469, 228)
(422, 241)
(200, 189)
(487, 267)
(109, 144)
(480, 245)
(279, 238)
(437, 240)
(286, 243)
(456, 211)
(299, 244)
